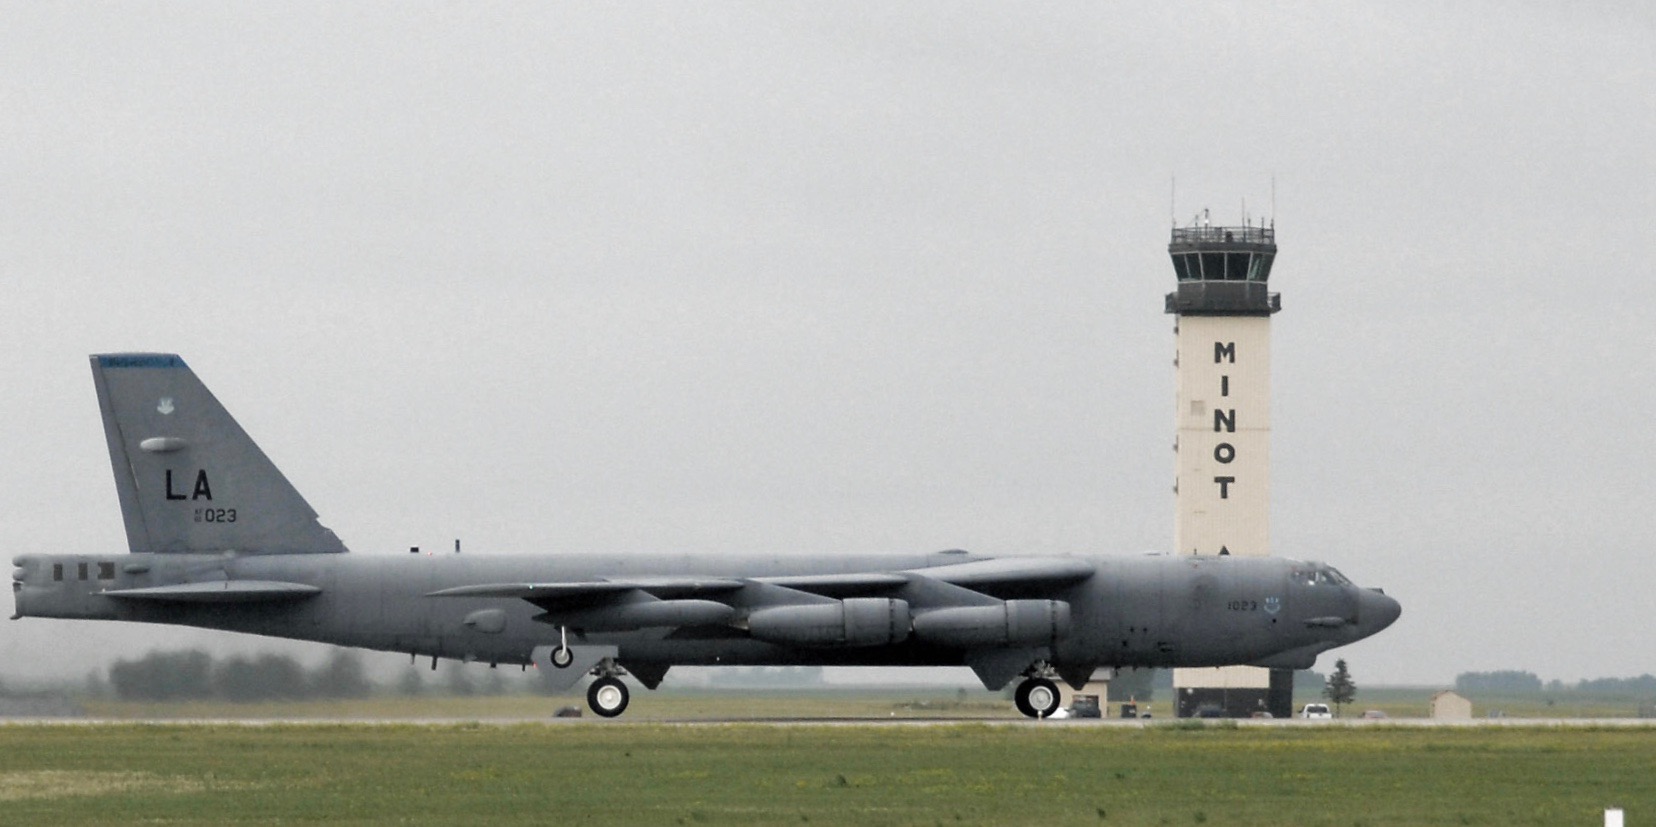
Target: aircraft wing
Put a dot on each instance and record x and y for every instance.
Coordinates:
(985, 574)
(1012, 571)
(664, 588)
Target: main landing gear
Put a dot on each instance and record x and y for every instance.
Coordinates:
(607, 696)
(1037, 697)
(563, 666)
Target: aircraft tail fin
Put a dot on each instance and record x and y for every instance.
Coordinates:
(189, 478)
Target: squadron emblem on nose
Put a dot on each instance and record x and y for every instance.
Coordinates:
(1273, 605)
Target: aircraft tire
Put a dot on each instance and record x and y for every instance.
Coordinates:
(607, 697)
(562, 657)
(1037, 698)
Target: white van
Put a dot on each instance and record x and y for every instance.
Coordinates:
(1316, 711)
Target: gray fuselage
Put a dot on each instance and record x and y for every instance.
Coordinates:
(1150, 610)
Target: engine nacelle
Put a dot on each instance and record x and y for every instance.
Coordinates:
(1012, 623)
(857, 621)
(643, 615)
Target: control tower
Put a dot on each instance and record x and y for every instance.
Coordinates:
(1222, 308)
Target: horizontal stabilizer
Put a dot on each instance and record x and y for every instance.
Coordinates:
(222, 591)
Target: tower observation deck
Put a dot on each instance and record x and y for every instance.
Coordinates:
(1223, 271)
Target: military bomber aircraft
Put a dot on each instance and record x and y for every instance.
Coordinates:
(219, 539)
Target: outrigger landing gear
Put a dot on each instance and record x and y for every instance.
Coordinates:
(1037, 696)
(561, 657)
(608, 696)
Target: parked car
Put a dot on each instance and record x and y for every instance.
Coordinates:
(1316, 711)
(1085, 706)
(1373, 714)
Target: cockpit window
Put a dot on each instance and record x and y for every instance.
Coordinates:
(1320, 577)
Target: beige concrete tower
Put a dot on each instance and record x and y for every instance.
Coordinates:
(1223, 310)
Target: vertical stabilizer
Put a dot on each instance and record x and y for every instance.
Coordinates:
(188, 476)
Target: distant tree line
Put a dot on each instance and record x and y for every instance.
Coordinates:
(1642, 686)
(1514, 682)
(195, 675)
(1508, 681)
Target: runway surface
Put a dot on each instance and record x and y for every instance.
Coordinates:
(1071, 723)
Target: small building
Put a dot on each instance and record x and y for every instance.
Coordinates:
(1448, 706)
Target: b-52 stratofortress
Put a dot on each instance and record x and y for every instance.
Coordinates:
(220, 539)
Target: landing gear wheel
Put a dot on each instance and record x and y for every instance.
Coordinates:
(1037, 698)
(561, 657)
(607, 697)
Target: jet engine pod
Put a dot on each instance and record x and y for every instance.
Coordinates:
(1012, 623)
(626, 617)
(857, 621)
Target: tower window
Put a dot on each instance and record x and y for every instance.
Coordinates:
(1181, 268)
(1213, 266)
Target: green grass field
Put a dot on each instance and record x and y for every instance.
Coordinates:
(596, 772)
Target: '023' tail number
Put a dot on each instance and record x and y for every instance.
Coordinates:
(1243, 605)
(215, 515)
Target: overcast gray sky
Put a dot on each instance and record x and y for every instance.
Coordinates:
(857, 277)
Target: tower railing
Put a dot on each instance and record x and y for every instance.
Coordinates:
(1222, 235)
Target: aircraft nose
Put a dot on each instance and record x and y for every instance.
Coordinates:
(1376, 611)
